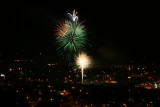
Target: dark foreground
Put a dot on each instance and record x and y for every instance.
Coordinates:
(74, 95)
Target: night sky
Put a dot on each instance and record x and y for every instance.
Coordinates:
(116, 31)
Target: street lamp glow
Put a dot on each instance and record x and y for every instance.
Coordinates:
(83, 61)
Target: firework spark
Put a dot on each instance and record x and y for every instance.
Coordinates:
(83, 61)
(73, 16)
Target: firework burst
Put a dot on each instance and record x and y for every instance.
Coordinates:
(83, 61)
(61, 29)
(71, 37)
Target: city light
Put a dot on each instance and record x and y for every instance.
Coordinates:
(3, 76)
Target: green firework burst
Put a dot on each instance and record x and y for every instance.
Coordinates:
(72, 40)
(71, 37)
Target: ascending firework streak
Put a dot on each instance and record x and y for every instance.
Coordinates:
(83, 61)
(71, 36)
